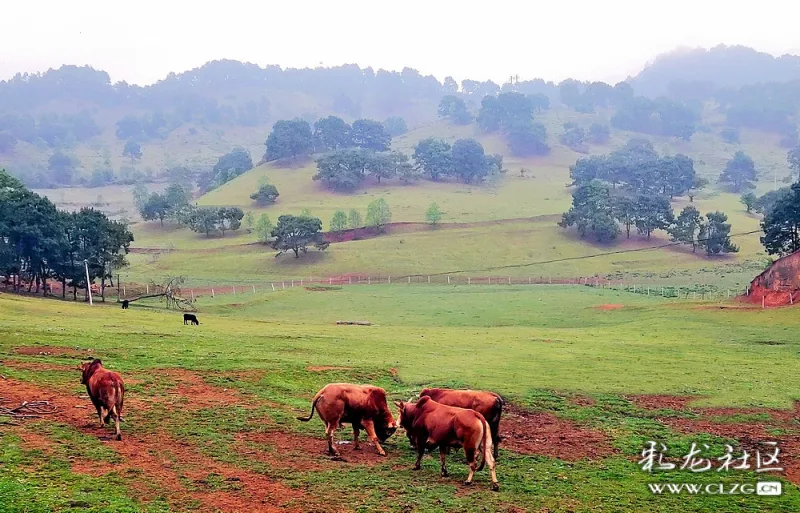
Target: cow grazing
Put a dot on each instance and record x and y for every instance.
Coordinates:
(106, 390)
(187, 317)
(363, 406)
(488, 404)
(431, 425)
(125, 304)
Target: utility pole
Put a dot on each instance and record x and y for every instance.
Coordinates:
(88, 285)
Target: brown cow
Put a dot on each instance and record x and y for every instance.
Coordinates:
(488, 404)
(106, 390)
(363, 406)
(432, 425)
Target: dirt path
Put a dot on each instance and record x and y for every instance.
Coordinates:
(171, 468)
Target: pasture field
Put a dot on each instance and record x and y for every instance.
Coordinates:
(589, 376)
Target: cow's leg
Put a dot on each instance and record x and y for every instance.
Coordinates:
(494, 427)
(495, 484)
(470, 453)
(101, 415)
(330, 429)
(356, 433)
(369, 427)
(420, 452)
(443, 460)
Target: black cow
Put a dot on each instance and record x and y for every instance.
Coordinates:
(187, 317)
(125, 304)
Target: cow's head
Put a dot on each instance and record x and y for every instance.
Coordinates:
(88, 368)
(385, 426)
(407, 415)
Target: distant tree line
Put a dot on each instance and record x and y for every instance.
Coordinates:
(39, 243)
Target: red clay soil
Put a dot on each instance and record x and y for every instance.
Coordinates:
(609, 306)
(52, 351)
(324, 368)
(661, 402)
(155, 455)
(305, 453)
(582, 400)
(198, 393)
(544, 433)
(40, 366)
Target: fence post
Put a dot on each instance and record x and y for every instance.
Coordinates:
(192, 296)
(662, 291)
(292, 282)
(648, 290)
(283, 284)
(469, 280)
(634, 288)
(234, 290)
(529, 280)
(369, 280)
(550, 280)
(448, 279)
(509, 280)
(147, 288)
(123, 292)
(301, 282)
(729, 293)
(349, 280)
(791, 299)
(409, 279)
(254, 289)
(273, 287)
(212, 292)
(763, 302)
(429, 278)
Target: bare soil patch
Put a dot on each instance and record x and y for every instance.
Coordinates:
(40, 366)
(164, 461)
(609, 306)
(582, 400)
(52, 351)
(323, 368)
(198, 393)
(305, 453)
(661, 401)
(544, 433)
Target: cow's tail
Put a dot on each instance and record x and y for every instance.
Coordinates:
(488, 446)
(313, 407)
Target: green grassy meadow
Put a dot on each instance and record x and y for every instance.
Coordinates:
(264, 356)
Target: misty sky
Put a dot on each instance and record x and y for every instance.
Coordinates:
(586, 39)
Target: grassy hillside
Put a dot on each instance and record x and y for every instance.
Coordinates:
(526, 210)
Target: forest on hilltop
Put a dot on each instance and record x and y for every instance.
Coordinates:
(58, 110)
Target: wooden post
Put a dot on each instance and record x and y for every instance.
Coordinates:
(123, 292)
(147, 288)
(634, 288)
(448, 279)
(791, 299)
(234, 290)
(390, 280)
(429, 279)
(763, 302)
(283, 284)
(550, 280)
(254, 289)
(192, 295)
(292, 282)
(648, 290)
(273, 287)
(469, 280)
(409, 279)
(330, 281)
(369, 280)
(301, 282)
(509, 280)
(350, 280)
(212, 292)
(529, 280)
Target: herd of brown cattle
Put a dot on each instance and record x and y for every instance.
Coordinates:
(441, 418)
